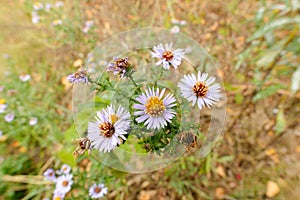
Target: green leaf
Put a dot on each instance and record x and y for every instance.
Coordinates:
(268, 57)
(208, 163)
(268, 91)
(243, 56)
(273, 25)
(295, 81)
(70, 134)
(271, 54)
(225, 159)
(280, 122)
(67, 157)
(239, 98)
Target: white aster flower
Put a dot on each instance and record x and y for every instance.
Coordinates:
(58, 195)
(89, 23)
(154, 110)
(57, 22)
(49, 174)
(48, 7)
(59, 4)
(85, 29)
(35, 18)
(178, 22)
(3, 108)
(120, 66)
(175, 29)
(65, 169)
(38, 6)
(182, 22)
(9, 117)
(200, 89)
(77, 77)
(110, 124)
(167, 56)
(63, 184)
(24, 77)
(97, 191)
(33, 121)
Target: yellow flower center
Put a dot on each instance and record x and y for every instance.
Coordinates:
(2, 101)
(168, 55)
(114, 118)
(200, 89)
(107, 129)
(57, 198)
(155, 107)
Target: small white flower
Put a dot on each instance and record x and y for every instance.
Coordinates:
(154, 110)
(200, 89)
(175, 29)
(275, 110)
(24, 77)
(38, 6)
(78, 77)
(110, 124)
(57, 195)
(6, 56)
(175, 21)
(120, 66)
(1, 133)
(85, 29)
(63, 184)
(57, 22)
(167, 56)
(59, 4)
(33, 121)
(182, 22)
(89, 23)
(48, 7)
(65, 169)
(9, 117)
(3, 108)
(178, 22)
(49, 174)
(35, 18)
(97, 191)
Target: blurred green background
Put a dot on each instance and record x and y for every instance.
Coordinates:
(256, 44)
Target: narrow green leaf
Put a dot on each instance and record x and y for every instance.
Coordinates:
(268, 57)
(225, 159)
(280, 122)
(208, 163)
(268, 91)
(273, 25)
(295, 81)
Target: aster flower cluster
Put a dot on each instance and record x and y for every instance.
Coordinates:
(9, 115)
(151, 106)
(39, 8)
(63, 180)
